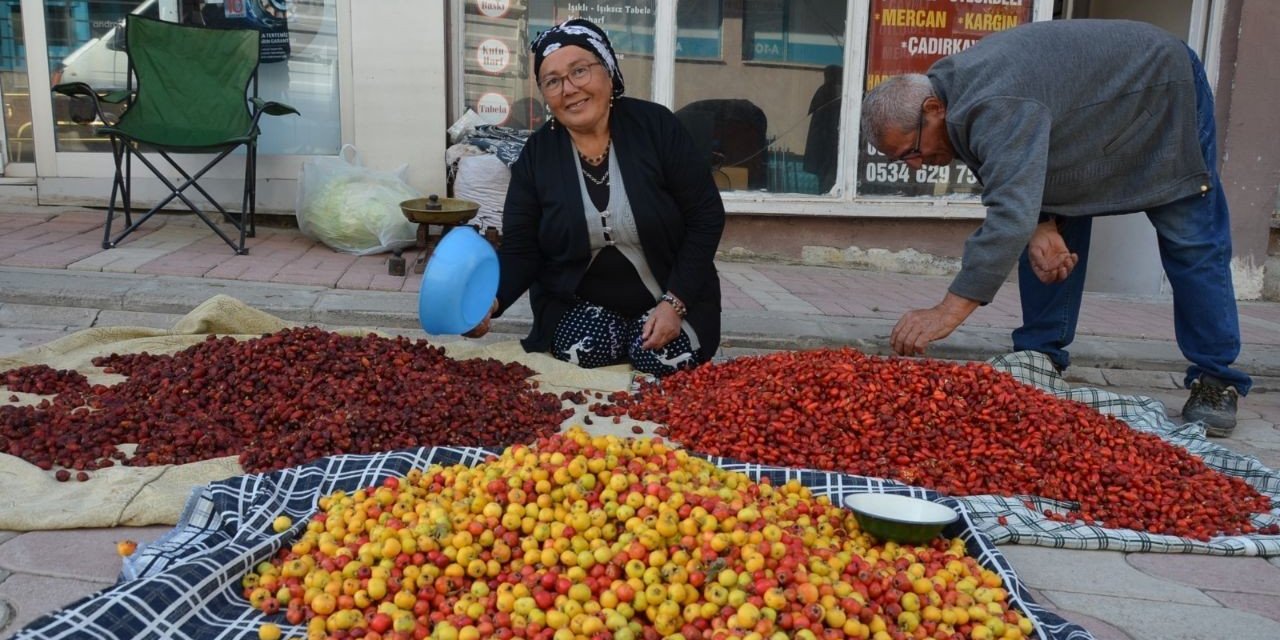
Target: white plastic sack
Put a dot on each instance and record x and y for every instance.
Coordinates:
(483, 179)
(351, 208)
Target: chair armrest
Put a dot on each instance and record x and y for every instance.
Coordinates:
(72, 89)
(82, 89)
(271, 108)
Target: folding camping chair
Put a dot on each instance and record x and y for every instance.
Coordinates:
(190, 97)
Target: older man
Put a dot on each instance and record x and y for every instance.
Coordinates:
(1061, 122)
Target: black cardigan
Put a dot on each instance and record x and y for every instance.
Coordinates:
(677, 207)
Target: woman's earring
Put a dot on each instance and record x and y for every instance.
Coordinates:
(552, 120)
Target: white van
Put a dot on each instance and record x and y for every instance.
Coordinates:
(101, 62)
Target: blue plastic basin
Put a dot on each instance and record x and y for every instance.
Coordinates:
(458, 284)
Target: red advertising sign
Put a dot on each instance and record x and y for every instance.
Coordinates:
(908, 36)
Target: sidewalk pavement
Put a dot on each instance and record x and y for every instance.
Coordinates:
(56, 279)
(53, 256)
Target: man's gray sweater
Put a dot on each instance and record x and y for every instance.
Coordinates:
(1073, 118)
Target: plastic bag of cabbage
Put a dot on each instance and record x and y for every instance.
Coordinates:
(352, 208)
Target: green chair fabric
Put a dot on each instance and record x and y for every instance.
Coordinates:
(184, 76)
(191, 89)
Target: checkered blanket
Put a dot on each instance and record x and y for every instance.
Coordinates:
(186, 585)
(1029, 526)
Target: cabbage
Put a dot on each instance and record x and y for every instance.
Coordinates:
(359, 214)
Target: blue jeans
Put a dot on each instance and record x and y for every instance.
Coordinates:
(1195, 248)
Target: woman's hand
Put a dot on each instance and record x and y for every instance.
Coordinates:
(662, 327)
(479, 330)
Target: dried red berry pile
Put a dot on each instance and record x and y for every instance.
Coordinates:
(277, 401)
(43, 379)
(961, 429)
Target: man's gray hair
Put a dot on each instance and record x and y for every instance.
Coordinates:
(894, 105)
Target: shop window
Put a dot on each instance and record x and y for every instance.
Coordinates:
(498, 82)
(769, 127)
(758, 83)
(299, 64)
(796, 31)
(907, 36)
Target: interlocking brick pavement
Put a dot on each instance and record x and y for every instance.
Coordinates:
(181, 245)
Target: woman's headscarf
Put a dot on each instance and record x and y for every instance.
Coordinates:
(582, 33)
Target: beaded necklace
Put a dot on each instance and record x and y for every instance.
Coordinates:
(597, 159)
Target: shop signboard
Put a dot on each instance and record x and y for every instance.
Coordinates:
(631, 26)
(495, 108)
(496, 60)
(493, 8)
(268, 17)
(497, 34)
(908, 36)
(498, 80)
(493, 55)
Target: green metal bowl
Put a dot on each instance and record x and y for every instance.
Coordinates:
(898, 518)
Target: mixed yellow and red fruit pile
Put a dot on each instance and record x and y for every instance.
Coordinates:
(600, 537)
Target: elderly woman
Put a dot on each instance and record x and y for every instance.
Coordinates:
(611, 221)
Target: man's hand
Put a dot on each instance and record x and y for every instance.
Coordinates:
(662, 327)
(1050, 259)
(918, 328)
(479, 330)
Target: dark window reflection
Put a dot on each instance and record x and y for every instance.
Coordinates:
(766, 114)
